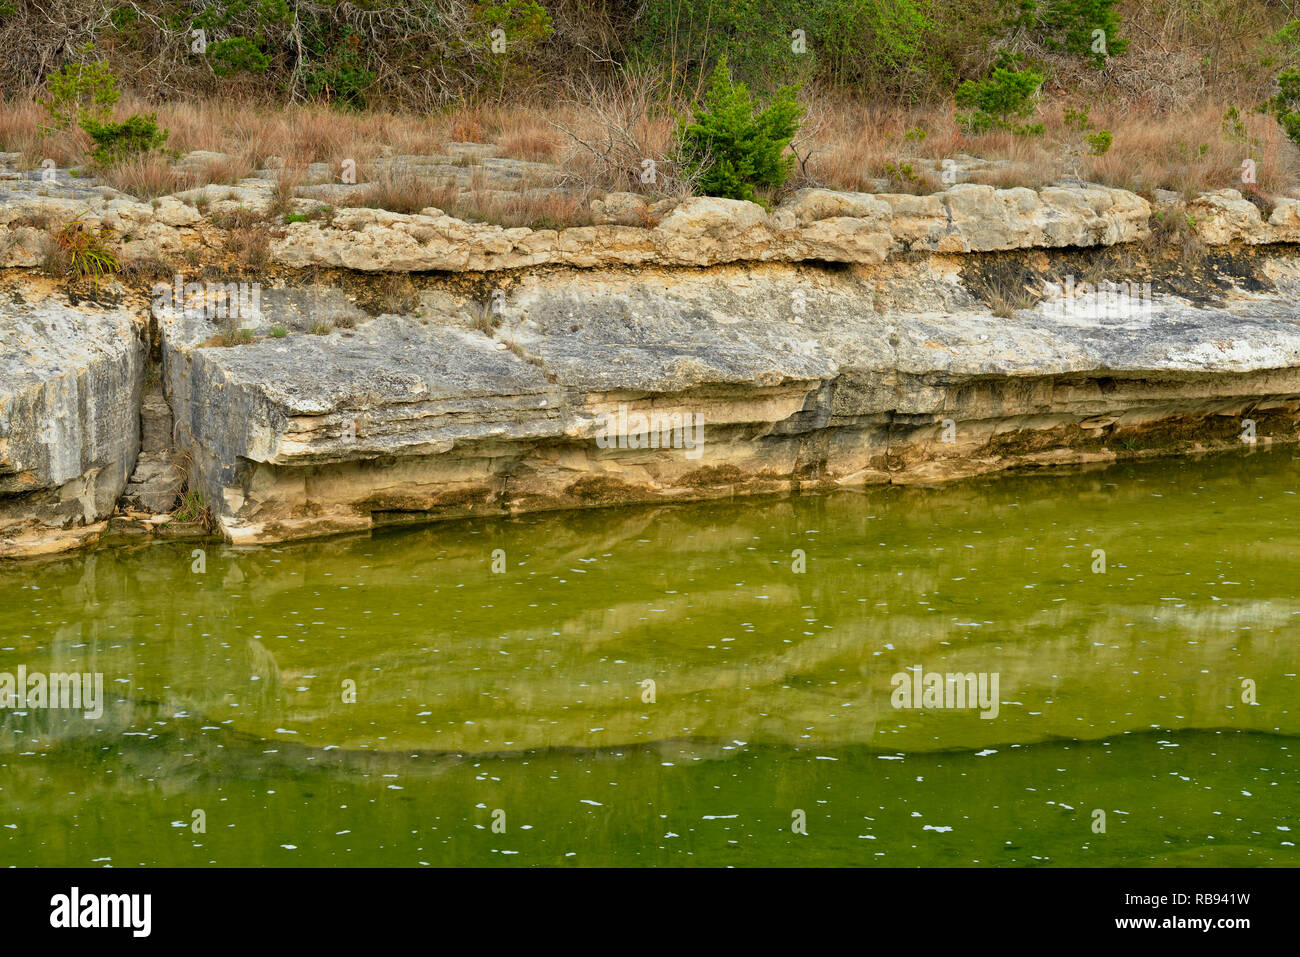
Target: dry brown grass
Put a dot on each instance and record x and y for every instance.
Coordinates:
(532, 139)
(611, 131)
(551, 210)
(466, 128)
(601, 135)
(24, 129)
(399, 191)
(250, 245)
(1175, 229)
(144, 177)
(1188, 151)
(226, 171)
(1005, 295)
(398, 295)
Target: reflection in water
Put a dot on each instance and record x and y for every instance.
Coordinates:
(660, 685)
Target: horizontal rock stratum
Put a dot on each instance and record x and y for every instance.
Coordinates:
(813, 224)
(403, 418)
(836, 341)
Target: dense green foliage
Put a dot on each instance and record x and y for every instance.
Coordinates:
(79, 92)
(428, 53)
(894, 45)
(1285, 105)
(733, 147)
(115, 142)
(999, 100)
(509, 31)
(1087, 28)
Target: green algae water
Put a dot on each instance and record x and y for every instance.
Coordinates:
(687, 685)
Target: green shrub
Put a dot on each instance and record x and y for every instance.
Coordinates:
(1070, 25)
(79, 253)
(1285, 105)
(115, 142)
(81, 91)
(237, 55)
(686, 37)
(732, 149)
(1083, 135)
(885, 45)
(1002, 98)
(339, 76)
(523, 24)
(1099, 143)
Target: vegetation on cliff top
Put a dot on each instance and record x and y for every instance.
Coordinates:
(632, 96)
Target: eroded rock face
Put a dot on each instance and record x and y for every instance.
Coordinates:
(157, 480)
(70, 381)
(831, 340)
(973, 218)
(1225, 216)
(661, 385)
(813, 224)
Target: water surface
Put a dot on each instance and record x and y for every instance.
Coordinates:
(521, 698)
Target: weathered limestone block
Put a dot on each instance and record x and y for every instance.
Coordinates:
(1224, 216)
(70, 382)
(621, 209)
(1284, 221)
(921, 223)
(972, 218)
(808, 206)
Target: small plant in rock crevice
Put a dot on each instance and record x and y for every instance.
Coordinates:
(80, 253)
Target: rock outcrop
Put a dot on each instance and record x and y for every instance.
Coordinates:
(813, 224)
(1225, 216)
(70, 382)
(668, 385)
(696, 350)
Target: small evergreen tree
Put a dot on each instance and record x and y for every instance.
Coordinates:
(997, 101)
(81, 91)
(1285, 105)
(512, 29)
(1087, 27)
(734, 149)
(118, 141)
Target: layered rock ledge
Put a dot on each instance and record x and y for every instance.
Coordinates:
(813, 224)
(835, 341)
(70, 382)
(407, 418)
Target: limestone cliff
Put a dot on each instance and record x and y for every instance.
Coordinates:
(839, 339)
